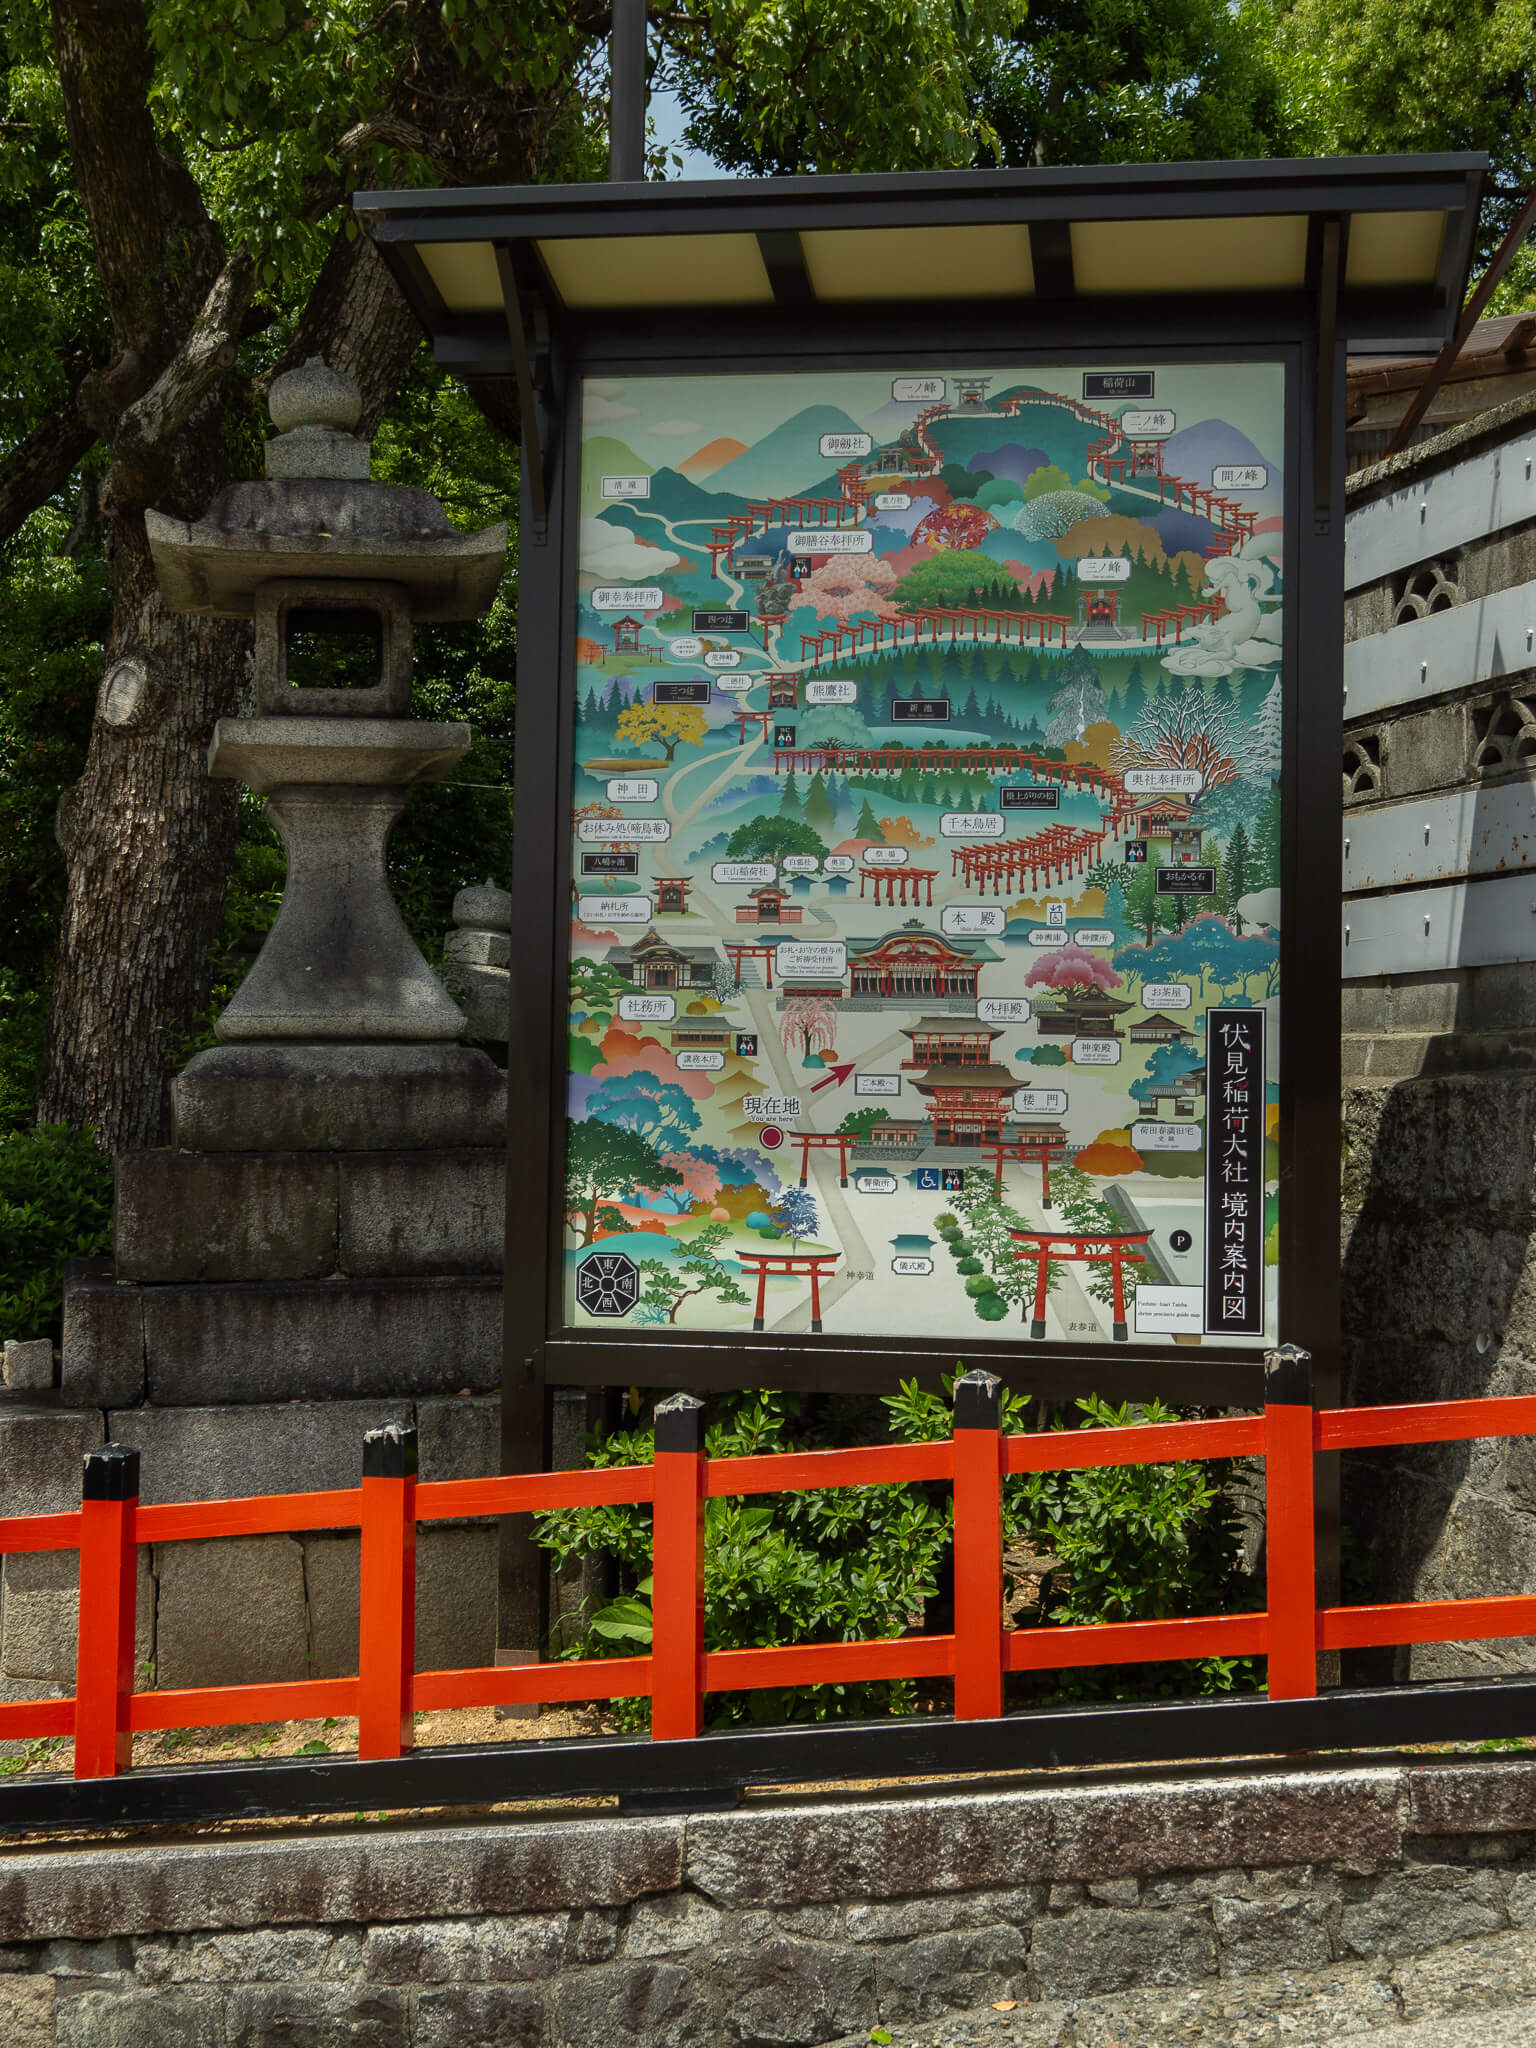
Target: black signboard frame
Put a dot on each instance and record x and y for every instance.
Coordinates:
(541, 1348)
(530, 333)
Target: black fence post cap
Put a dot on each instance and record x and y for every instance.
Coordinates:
(390, 1452)
(1288, 1377)
(680, 1424)
(978, 1400)
(111, 1473)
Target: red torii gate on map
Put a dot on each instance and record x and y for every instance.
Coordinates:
(899, 878)
(745, 952)
(762, 717)
(823, 1141)
(1041, 1146)
(1115, 1246)
(892, 760)
(1066, 848)
(816, 1264)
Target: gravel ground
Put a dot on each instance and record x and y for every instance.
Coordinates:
(1470, 1994)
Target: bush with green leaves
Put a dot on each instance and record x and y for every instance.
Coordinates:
(55, 1205)
(842, 1565)
(1128, 1543)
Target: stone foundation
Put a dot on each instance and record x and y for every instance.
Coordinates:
(788, 1922)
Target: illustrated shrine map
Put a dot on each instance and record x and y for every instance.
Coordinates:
(925, 857)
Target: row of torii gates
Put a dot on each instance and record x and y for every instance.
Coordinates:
(1069, 849)
(832, 756)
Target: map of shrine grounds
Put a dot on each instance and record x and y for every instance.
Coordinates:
(925, 861)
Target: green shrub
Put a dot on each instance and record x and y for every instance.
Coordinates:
(842, 1565)
(969, 1264)
(1130, 1543)
(980, 1283)
(55, 1205)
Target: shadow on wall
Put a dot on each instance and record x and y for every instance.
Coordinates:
(1439, 1302)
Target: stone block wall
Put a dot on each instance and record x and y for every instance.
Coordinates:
(253, 1608)
(1439, 1124)
(1135, 1909)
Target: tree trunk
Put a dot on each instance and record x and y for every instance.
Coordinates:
(149, 841)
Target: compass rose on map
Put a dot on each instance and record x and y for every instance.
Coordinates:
(607, 1284)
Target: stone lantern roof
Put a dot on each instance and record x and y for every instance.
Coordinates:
(319, 513)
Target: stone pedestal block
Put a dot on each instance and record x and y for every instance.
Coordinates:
(338, 1098)
(42, 1458)
(40, 1617)
(455, 1600)
(225, 1216)
(321, 1339)
(102, 1358)
(230, 1612)
(28, 1363)
(225, 1453)
(422, 1212)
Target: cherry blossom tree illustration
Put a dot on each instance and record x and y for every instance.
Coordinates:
(809, 1021)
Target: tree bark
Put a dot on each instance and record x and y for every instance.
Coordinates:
(149, 842)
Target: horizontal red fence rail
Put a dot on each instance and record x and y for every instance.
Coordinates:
(976, 1461)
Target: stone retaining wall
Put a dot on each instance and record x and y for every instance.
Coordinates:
(791, 1921)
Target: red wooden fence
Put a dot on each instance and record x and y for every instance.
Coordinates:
(389, 1506)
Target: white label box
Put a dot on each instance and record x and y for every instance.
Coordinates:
(699, 1060)
(877, 1084)
(973, 825)
(647, 1009)
(1169, 1311)
(811, 956)
(626, 487)
(1166, 995)
(594, 831)
(1159, 1137)
(627, 597)
(632, 789)
(1095, 1052)
(595, 910)
(831, 540)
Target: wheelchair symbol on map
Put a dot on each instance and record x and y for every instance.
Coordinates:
(928, 1178)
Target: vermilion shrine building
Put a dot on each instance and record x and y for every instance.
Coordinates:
(672, 894)
(967, 1108)
(950, 1042)
(913, 961)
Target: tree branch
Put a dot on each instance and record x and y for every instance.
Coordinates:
(147, 427)
(41, 465)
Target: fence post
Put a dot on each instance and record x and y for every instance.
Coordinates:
(677, 1571)
(387, 1608)
(978, 1548)
(109, 1563)
(1290, 1529)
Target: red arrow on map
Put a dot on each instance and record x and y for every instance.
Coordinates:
(838, 1074)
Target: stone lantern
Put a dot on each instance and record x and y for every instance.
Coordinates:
(340, 1015)
(319, 1251)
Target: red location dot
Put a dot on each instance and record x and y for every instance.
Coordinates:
(770, 1137)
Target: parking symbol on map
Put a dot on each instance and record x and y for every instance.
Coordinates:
(607, 1284)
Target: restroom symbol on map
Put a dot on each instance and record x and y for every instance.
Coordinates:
(746, 1045)
(954, 1180)
(1136, 851)
(783, 735)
